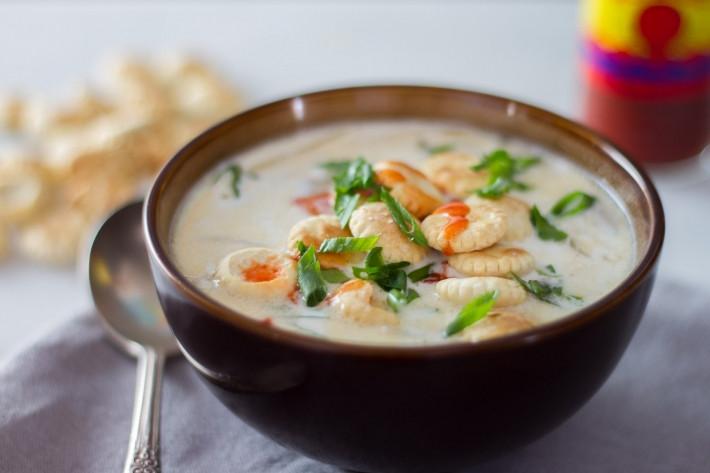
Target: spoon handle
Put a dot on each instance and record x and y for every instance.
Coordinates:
(144, 448)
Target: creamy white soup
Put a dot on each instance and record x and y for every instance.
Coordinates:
(495, 235)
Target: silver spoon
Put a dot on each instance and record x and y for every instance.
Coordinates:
(124, 294)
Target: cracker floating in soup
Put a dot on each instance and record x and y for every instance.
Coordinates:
(402, 233)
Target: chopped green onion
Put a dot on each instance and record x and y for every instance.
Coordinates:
(397, 298)
(572, 203)
(472, 312)
(344, 206)
(549, 271)
(358, 175)
(500, 186)
(335, 167)
(310, 279)
(348, 244)
(544, 291)
(403, 219)
(334, 275)
(387, 276)
(501, 163)
(545, 230)
(235, 171)
(432, 150)
(502, 169)
(420, 273)
(350, 181)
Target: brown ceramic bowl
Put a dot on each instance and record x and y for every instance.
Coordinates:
(403, 409)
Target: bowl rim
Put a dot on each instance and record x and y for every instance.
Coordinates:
(644, 267)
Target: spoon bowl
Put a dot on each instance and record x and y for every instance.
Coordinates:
(124, 294)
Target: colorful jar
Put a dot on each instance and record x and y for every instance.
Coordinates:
(646, 65)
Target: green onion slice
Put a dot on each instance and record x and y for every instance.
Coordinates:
(432, 150)
(348, 244)
(235, 171)
(387, 276)
(397, 298)
(549, 271)
(403, 219)
(359, 175)
(334, 275)
(420, 273)
(502, 168)
(545, 230)
(310, 278)
(336, 168)
(344, 206)
(351, 178)
(472, 312)
(544, 291)
(572, 203)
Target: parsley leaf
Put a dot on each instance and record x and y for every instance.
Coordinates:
(545, 230)
(472, 312)
(572, 203)
(502, 168)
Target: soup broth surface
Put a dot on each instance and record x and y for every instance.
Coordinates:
(284, 181)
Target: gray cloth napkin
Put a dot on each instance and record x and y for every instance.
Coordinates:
(66, 403)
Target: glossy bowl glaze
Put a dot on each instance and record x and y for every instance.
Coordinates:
(403, 409)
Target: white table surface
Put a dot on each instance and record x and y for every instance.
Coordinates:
(525, 50)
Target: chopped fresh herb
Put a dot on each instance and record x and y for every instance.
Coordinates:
(310, 278)
(345, 204)
(351, 178)
(502, 169)
(397, 298)
(374, 258)
(403, 219)
(390, 276)
(544, 291)
(432, 150)
(549, 271)
(347, 244)
(358, 175)
(420, 273)
(301, 247)
(235, 171)
(472, 312)
(387, 276)
(545, 230)
(334, 276)
(335, 167)
(572, 203)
